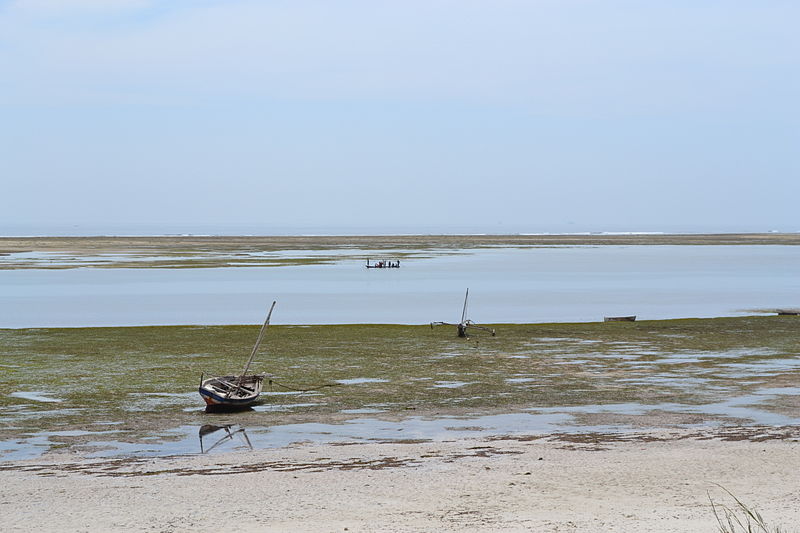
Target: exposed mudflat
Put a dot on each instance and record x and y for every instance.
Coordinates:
(219, 251)
(133, 391)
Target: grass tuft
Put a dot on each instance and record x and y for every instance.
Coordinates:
(740, 518)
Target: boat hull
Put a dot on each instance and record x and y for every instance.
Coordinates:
(631, 318)
(226, 393)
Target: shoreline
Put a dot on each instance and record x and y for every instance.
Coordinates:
(750, 313)
(657, 481)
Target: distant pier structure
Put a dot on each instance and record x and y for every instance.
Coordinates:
(384, 264)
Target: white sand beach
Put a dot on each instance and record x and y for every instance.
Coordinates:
(656, 481)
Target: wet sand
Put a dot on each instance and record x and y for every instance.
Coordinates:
(658, 481)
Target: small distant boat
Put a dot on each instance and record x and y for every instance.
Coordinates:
(788, 312)
(235, 392)
(383, 264)
(461, 327)
(631, 318)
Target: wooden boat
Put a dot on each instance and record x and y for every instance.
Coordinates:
(383, 264)
(461, 327)
(231, 391)
(631, 318)
(235, 392)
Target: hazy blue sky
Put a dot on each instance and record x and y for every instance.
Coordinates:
(494, 116)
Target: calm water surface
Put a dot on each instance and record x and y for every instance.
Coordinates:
(506, 285)
(228, 435)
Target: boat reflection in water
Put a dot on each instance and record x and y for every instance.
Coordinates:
(224, 434)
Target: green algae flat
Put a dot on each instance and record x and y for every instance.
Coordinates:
(134, 381)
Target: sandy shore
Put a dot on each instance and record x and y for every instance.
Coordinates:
(654, 482)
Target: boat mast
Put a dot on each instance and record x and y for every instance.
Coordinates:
(239, 381)
(258, 343)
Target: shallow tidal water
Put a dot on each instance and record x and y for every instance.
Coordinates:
(230, 436)
(507, 285)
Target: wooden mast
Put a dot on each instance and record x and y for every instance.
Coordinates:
(462, 326)
(258, 342)
(253, 353)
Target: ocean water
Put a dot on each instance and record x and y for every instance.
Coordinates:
(518, 285)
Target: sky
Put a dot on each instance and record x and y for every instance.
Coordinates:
(501, 116)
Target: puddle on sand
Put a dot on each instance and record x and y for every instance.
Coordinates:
(699, 357)
(667, 380)
(35, 445)
(185, 439)
(779, 391)
(356, 381)
(449, 384)
(35, 396)
(281, 407)
(746, 407)
(764, 367)
(447, 355)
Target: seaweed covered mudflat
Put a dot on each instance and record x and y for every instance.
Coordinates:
(139, 383)
(243, 251)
